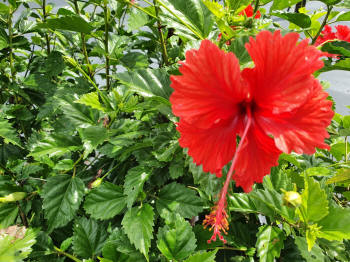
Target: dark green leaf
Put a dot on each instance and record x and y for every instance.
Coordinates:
(178, 199)
(202, 257)
(138, 225)
(344, 17)
(8, 214)
(105, 201)
(62, 196)
(8, 133)
(337, 47)
(299, 19)
(71, 23)
(238, 48)
(88, 237)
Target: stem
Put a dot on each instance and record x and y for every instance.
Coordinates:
(346, 149)
(22, 215)
(329, 9)
(61, 252)
(256, 6)
(46, 35)
(140, 8)
(13, 72)
(83, 43)
(105, 10)
(182, 21)
(162, 42)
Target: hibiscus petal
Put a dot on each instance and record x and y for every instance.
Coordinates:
(280, 79)
(303, 129)
(212, 148)
(209, 88)
(257, 156)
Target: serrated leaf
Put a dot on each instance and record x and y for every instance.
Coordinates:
(136, 19)
(16, 246)
(269, 243)
(134, 181)
(335, 226)
(91, 99)
(237, 46)
(138, 225)
(8, 214)
(342, 175)
(105, 201)
(202, 257)
(148, 82)
(176, 241)
(118, 248)
(88, 237)
(179, 199)
(8, 133)
(214, 7)
(71, 23)
(314, 201)
(62, 196)
(94, 135)
(315, 255)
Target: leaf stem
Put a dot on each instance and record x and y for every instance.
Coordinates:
(161, 37)
(182, 21)
(256, 7)
(106, 18)
(346, 149)
(10, 29)
(61, 252)
(329, 9)
(140, 8)
(44, 20)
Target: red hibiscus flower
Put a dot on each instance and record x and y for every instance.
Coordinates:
(275, 107)
(249, 12)
(342, 34)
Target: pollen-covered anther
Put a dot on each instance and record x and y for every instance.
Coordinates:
(217, 220)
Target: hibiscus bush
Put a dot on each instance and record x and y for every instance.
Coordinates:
(173, 130)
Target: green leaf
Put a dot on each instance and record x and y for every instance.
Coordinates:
(315, 255)
(8, 214)
(176, 241)
(314, 201)
(148, 82)
(88, 237)
(16, 243)
(335, 226)
(280, 179)
(338, 150)
(136, 19)
(62, 196)
(119, 249)
(337, 47)
(134, 181)
(331, 2)
(298, 19)
(346, 121)
(202, 257)
(70, 22)
(192, 13)
(138, 225)
(344, 17)
(342, 175)
(214, 7)
(179, 199)
(105, 201)
(238, 48)
(241, 202)
(4, 8)
(8, 133)
(93, 135)
(318, 171)
(282, 4)
(91, 99)
(269, 243)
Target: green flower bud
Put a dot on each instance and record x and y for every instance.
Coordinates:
(16, 196)
(292, 198)
(96, 183)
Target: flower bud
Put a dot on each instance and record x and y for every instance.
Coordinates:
(96, 183)
(292, 198)
(16, 196)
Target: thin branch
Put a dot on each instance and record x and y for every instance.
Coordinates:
(61, 252)
(329, 9)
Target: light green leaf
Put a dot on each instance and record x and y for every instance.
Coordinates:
(282, 4)
(105, 201)
(148, 82)
(62, 196)
(269, 243)
(344, 17)
(315, 255)
(178, 199)
(134, 181)
(93, 135)
(192, 13)
(8, 133)
(338, 150)
(136, 19)
(214, 7)
(318, 171)
(138, 225)
(335, 226)
(346, 121)
(312, 233)
(176, 241)
(70, 23)
(202, 257)
(88, 237)
(342, 175)
(16, 243)
(92, 100)
(8, 214)
(314, 201)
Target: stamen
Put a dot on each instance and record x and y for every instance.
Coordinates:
(217, 219)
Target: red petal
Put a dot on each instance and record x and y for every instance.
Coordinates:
(282, 70)
(304, 128)
(256, 158)
(343, 33)
(209, 88)
(214, 147)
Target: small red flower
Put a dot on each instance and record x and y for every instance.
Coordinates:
(249, 12)
(275, 107)
(342, 34)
